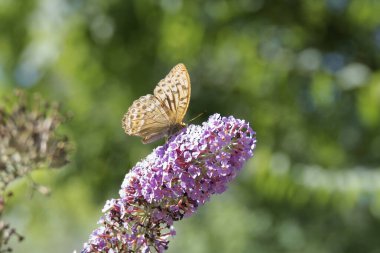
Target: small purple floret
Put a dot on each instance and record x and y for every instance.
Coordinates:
(171, 183)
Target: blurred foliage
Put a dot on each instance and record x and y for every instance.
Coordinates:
(28, 141)
(305, 73)
(28, 137)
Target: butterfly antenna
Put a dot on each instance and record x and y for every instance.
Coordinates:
(196, 117)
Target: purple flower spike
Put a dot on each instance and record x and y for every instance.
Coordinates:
(171, 183)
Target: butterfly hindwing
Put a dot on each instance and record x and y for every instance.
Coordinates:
(145, 117)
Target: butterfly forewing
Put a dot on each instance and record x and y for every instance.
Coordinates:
(174, 90)
(154, 116)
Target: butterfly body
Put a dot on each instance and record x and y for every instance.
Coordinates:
(155, 116)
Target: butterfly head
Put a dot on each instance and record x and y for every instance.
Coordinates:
(175, 128)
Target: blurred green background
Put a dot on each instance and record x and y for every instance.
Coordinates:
(304, 73)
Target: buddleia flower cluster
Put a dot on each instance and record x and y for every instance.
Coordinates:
(28, 141)
(171, 183)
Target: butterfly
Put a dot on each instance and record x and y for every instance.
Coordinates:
(155, 116)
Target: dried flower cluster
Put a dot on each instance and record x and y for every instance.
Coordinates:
(171, 183)
(28, 141)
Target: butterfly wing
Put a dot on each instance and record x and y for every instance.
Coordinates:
(146, 118)
(174, 93)
(154, 116)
